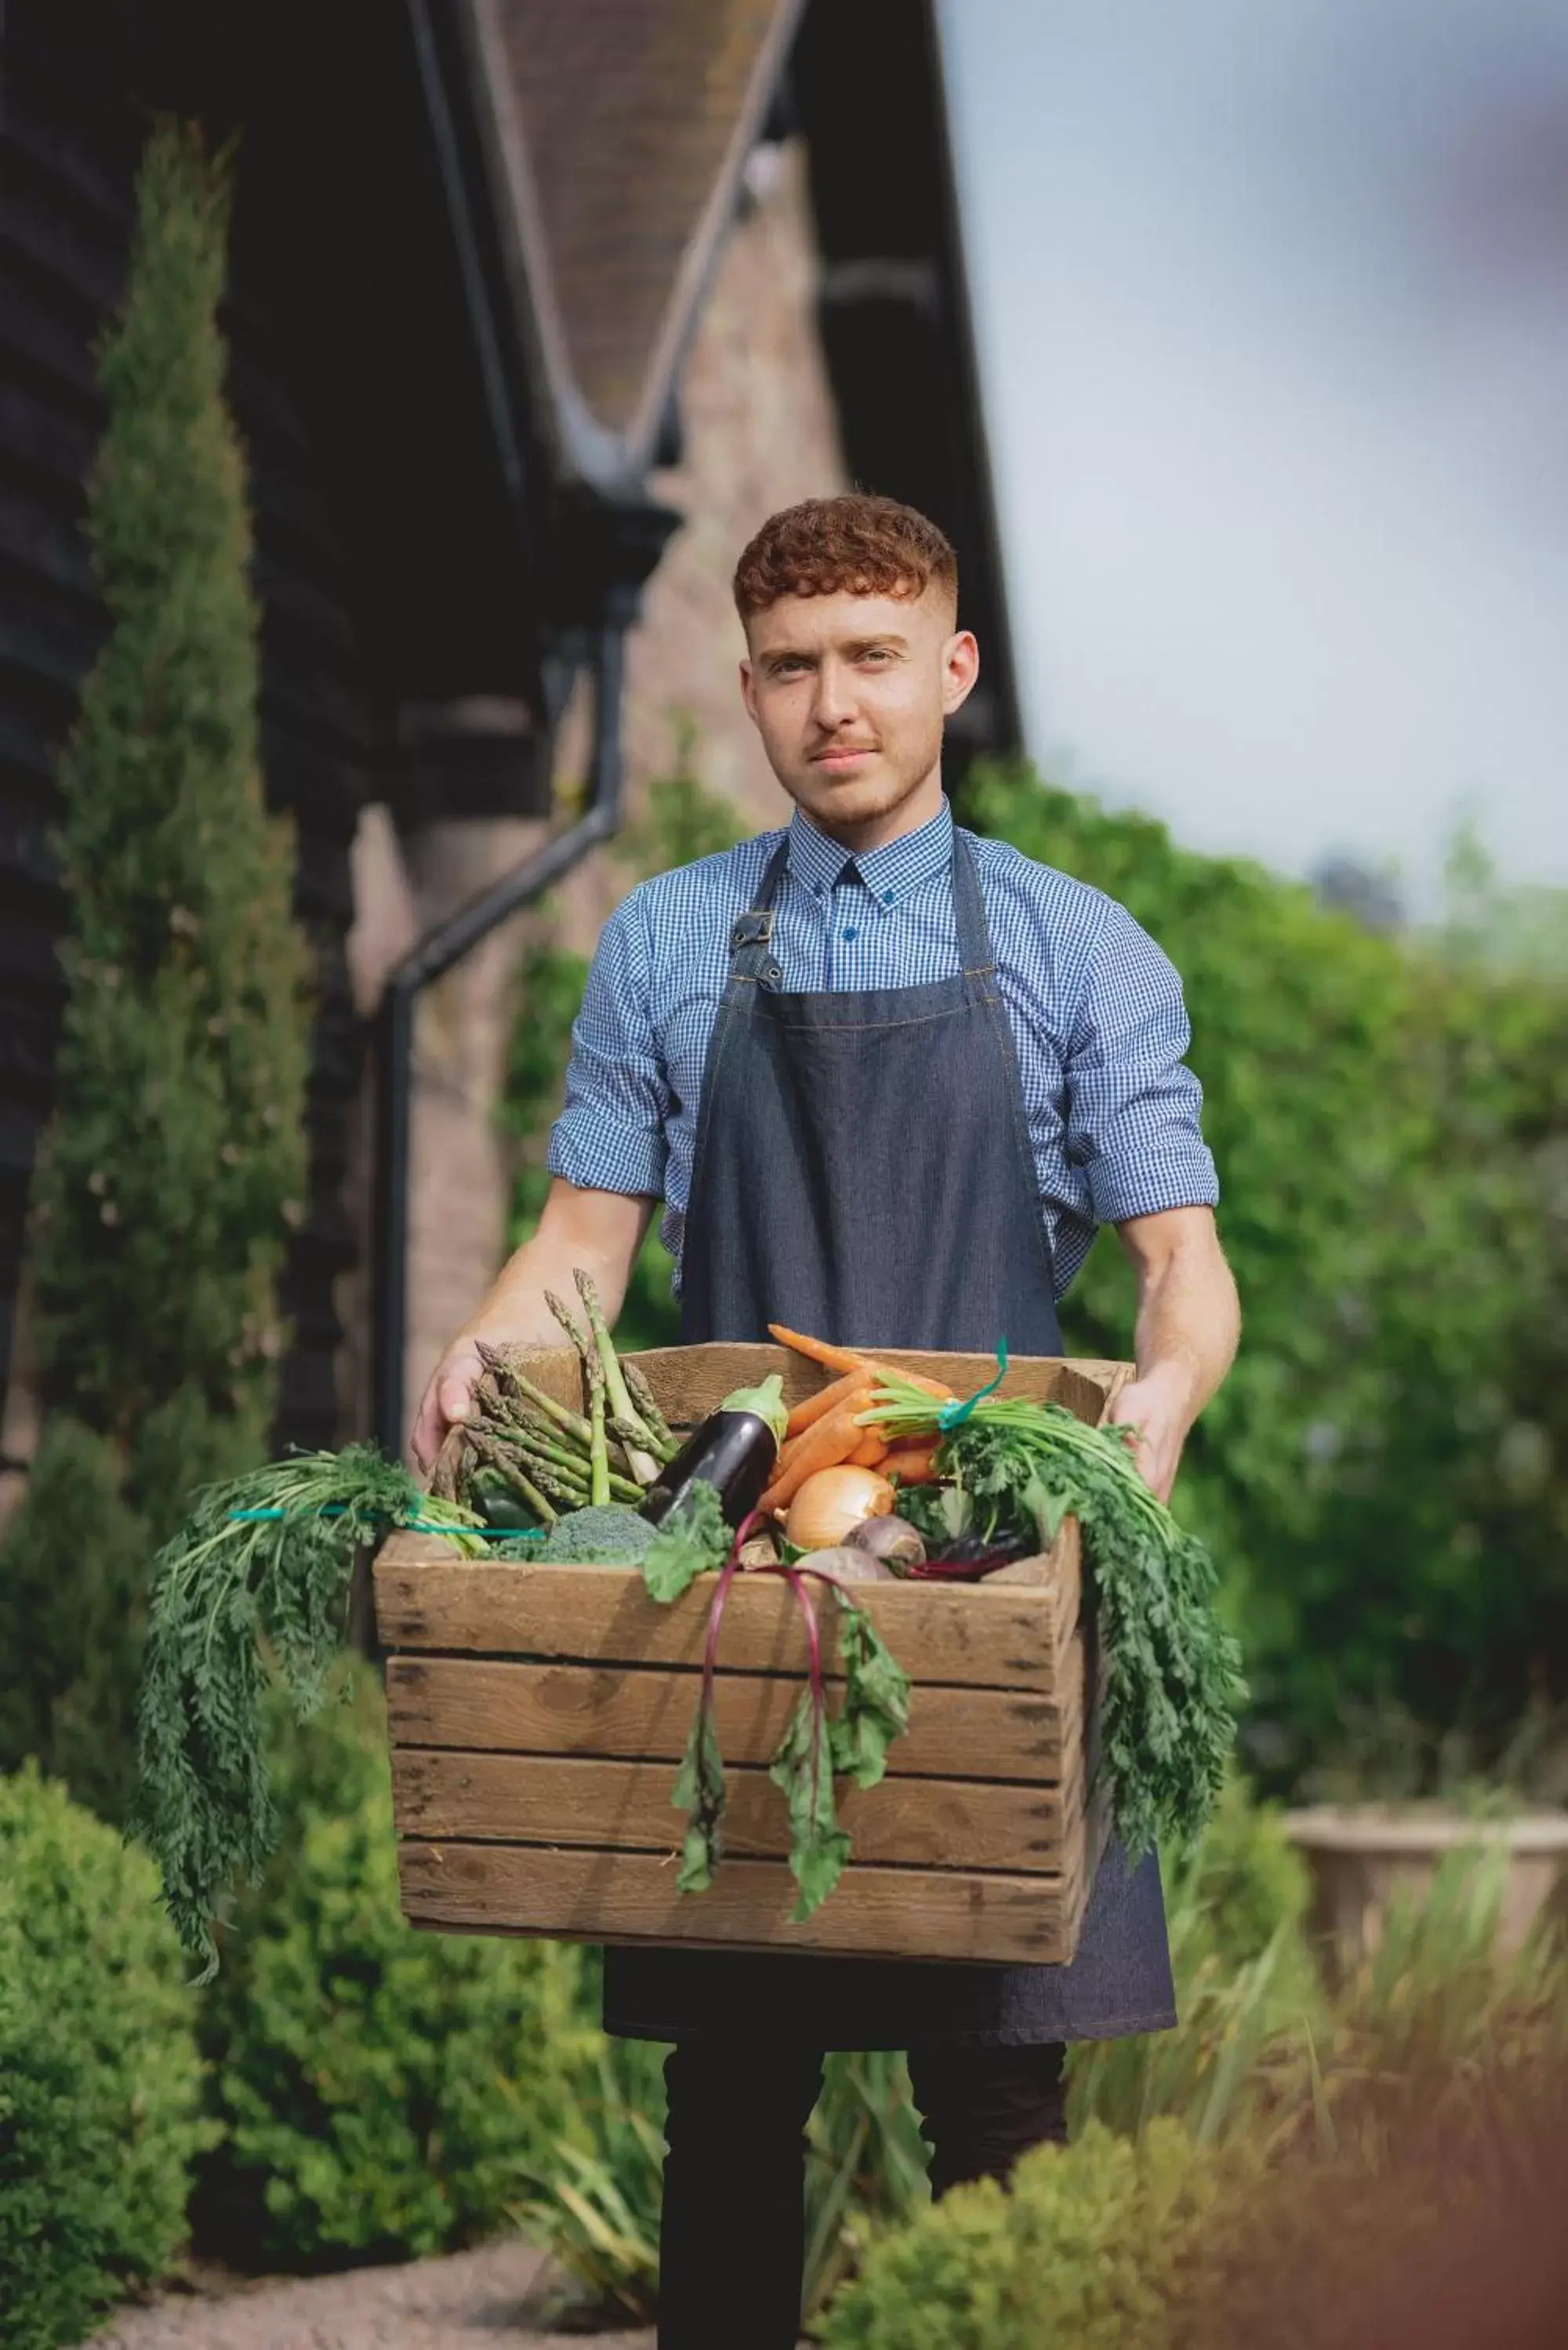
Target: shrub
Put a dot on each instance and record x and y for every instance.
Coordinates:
(100, 2078)
(1092, 2246)
(380, 2090)
(176, 1156)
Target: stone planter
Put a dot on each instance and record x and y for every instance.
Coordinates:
(1364, 1855)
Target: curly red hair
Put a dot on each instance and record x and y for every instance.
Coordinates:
(852, 544)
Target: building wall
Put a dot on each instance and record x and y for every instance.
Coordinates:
(759, 432)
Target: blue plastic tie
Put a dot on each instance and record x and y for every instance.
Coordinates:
(953, 1415)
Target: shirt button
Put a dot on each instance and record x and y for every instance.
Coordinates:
(852, 932)
(886, 897)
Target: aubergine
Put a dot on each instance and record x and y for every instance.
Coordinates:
(733, 1450)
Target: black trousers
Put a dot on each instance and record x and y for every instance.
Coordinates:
(733, 2235)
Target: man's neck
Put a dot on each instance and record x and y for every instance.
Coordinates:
(922, 804)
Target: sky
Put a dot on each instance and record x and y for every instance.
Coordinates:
(1272, 314)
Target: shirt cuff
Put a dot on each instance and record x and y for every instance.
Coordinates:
(604, 1158)
(1121, 1189)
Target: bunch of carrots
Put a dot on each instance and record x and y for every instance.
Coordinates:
(824, 1433)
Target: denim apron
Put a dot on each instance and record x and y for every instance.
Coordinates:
(864, 1171)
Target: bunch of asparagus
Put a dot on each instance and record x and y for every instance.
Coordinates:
(548, 1457)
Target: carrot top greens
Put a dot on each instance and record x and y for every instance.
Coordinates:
(1172, 1671)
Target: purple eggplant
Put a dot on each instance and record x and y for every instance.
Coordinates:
(733, 1450)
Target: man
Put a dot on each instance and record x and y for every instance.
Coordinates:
(888, 1078)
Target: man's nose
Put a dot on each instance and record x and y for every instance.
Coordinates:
(833, 705)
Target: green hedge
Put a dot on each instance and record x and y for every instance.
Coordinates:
(99, 2076)
(1385, 1476)
(382, 2093)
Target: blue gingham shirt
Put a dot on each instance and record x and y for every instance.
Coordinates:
(1095, 1007)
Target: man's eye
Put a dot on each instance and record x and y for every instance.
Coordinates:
(880, 654)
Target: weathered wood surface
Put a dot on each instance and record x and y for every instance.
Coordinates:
(644, 1714)
(1011, 1638)
(560, 1799)
(610, 1897)
(691, 1381)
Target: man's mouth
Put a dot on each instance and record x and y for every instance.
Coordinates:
(843, 754)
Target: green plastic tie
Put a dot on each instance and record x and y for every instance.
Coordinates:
(407, 1525)
(953, 1415)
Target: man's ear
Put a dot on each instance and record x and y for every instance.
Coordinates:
(749, 690)
(960, 667)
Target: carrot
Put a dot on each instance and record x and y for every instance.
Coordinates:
(910, 1464)
(811, 1407)
(845, 1359)
(832, 1440)
(870, 1453)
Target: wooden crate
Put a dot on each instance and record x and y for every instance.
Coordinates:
(538, 1714)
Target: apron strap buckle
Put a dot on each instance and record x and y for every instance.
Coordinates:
(754, 929)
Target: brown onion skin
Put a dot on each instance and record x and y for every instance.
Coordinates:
(831, 1502)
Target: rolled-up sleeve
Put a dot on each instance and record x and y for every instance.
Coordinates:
(610, 1136)
(1133, 1106)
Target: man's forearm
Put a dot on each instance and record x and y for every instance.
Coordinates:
(601, 1232)
(1189, 1319)
(1188, 1323)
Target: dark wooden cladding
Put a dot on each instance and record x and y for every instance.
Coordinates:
(68, 157)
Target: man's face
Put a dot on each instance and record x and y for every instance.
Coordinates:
(849, 693)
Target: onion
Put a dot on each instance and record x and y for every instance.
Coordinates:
(829, 1505)
(894, 1540)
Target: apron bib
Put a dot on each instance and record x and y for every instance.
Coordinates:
(864, 1171)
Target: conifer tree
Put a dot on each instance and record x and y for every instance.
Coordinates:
(176, 1160)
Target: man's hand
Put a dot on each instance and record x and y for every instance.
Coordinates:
(1188, 1321)
(1160, 1409)
(599, 1231)
(446, 1402)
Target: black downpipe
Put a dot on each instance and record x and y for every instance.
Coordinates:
(430, 960)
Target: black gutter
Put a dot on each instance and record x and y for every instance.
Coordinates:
(430, 960)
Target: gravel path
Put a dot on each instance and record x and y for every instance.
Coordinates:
(487, 2299)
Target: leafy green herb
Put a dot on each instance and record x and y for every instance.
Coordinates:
(875, 1705)
(1173, 1679)
(699, 1792)
(261, 1566)
(875, 1710)
(691, 1540)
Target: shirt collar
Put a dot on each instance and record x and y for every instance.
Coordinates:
(890, 872)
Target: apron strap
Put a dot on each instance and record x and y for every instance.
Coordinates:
(751, 954)
(975, 955)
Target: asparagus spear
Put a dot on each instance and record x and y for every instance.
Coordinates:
(493, 1455)
(598, 1451)
(652, 1418)
(512, 1378)
(630, 1436)
(644, 1466)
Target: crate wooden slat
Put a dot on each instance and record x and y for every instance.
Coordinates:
(628, 1712)
(478, 1798)
(538, 1714)
(630, 1896)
